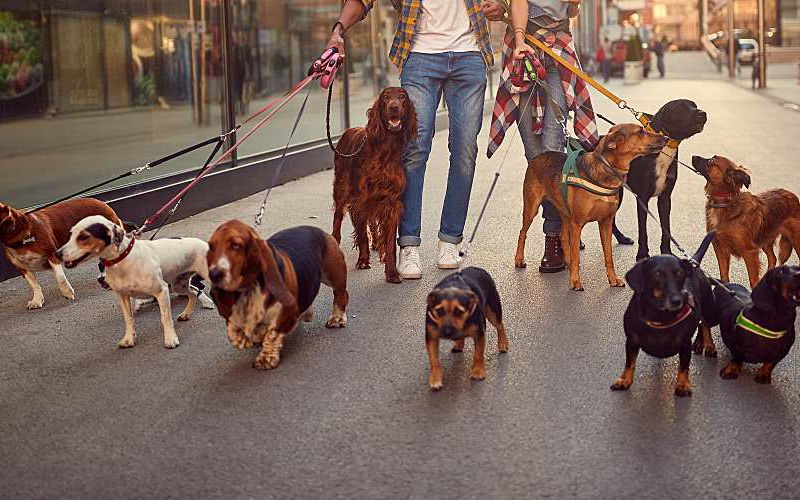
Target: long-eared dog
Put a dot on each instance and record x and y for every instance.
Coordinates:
(370, 184)
(758, 327)
(458, 307)
(139, 268)
(654, 176)
(747, 223)
(264, 288)
(671, 299)
(30, 240)
(606, 166)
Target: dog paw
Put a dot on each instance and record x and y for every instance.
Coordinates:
(621, 385)
(68, 293)
(478, 373)
(435, 385)
(520, 264)
(616, 282)
(171, 342)
(267, 361)
(363, 265)
(502, 346)
(127, 341)
(683, 391)
(337, 321)
(394, 278)
(36, 303)
(763, 379)
(624, 240)
(729, 372)
(710, 352)
(184, 317)
(642, 256)
(576, 287)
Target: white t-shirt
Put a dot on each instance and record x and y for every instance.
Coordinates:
(443, 26)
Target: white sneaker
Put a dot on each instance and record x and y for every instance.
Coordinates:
(448, 256)
(408, 263)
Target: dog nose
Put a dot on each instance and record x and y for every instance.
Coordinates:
(448, 332)
(216, 274)
(675, 302)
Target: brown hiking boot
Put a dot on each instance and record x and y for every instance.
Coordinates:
(553, 260)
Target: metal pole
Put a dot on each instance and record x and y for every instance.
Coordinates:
(762, 47)
(731, 55)
(227, 108)
(704, 17)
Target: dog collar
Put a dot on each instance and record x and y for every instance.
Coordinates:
(21, 243)
(753, 327)
(119, 258)
(685, 313)
(720, 200)
(671, 143)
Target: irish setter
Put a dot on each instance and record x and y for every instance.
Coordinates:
(370, 184)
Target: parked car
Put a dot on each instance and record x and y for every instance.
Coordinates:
(618, 50)
(748, 49)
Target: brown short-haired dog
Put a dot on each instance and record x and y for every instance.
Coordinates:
(458, 307)
(264, 288)
(747, 223)
(606, 166)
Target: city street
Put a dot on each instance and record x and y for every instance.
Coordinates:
(348, 413)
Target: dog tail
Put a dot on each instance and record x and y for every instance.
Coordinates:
(701, 251)
(785, 251)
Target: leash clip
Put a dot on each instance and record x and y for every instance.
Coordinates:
(139, 170)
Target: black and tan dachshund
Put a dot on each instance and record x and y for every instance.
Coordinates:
(458, 307)
(671, 297)
(758, 327)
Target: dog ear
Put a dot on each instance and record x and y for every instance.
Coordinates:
(474, 301)
(687, 267)
(763, 295)
(269, 270)
(433, 299)
(635, 277)
(411, 120)
(117, 235)
(738, 176)
(375, 128)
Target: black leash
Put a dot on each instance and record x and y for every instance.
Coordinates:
(138, 170)
(220, 142)
(328, 130)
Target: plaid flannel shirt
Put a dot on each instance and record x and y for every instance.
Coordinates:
(507, 106)
(410, 10)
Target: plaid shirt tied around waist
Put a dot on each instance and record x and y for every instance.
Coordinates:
(410, 11)
(507, 105)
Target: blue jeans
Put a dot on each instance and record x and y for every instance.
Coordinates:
(552, 136)
(461, 77)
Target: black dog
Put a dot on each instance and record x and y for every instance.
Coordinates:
(655, 175)
(458, 307)
(670, 298)
(759, 327)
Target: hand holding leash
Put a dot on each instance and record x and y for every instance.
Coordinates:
(326, 66)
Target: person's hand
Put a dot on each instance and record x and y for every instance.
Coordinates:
(336, 40)
(523, 49)
(493, 10)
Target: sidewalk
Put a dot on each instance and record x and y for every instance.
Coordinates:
(348, 414)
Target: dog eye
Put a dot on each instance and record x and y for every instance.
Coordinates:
(458, 312)
(82, 237)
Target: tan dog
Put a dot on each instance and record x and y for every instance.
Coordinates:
(605, 167)
(747, 223)
(31, 239)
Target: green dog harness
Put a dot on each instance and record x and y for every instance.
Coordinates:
(757, 329)
(571, 174)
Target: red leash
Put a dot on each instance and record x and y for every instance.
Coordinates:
(325, 68)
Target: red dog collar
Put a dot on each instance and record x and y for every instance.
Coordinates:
(120, 257)
(685, 312)
(721, 199)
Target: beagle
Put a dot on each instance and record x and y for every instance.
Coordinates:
(264, 288)
(138, 268)
(30, 240)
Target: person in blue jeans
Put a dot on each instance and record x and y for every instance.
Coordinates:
(442, 49)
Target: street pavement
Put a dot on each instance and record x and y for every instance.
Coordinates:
(348, 413)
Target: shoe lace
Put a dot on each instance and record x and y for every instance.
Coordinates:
(412, 256)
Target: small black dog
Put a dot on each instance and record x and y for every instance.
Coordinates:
(670, 298)
(759, 327)
(458, 307)
(655, 175)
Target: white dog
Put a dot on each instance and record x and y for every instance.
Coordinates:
(138, 268)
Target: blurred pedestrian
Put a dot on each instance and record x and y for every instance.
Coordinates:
(609, 54)
(659, 48)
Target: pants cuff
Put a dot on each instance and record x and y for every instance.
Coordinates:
(409, 241)
(455, 240)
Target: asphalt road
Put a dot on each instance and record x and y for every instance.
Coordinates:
(348, 414)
